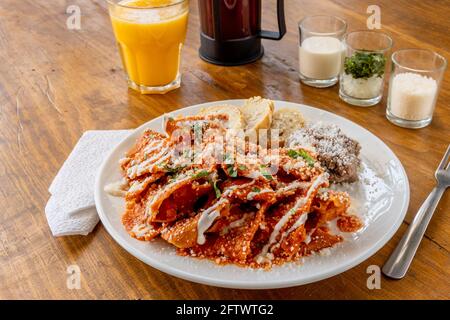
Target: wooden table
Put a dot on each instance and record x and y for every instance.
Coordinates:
(57, 83)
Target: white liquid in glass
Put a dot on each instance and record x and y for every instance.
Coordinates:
(321, 58)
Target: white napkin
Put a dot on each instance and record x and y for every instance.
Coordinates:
(71, 207)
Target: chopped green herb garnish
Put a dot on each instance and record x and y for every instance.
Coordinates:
(198, 130)
(268, 176)
(200, 174)
(228, 158)
(305, 155)
(265, 172)
(216, 189)
(292, 154)
(256, 189)
(232, 171)
(365, 65)
(242, 167)
(170, 169)
(302, 153)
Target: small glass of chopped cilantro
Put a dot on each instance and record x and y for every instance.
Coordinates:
(366, 53)
(363, 74)
(365, 64)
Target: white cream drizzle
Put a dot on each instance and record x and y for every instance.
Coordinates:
(161, 156)
(300, 221)
(209, 215)
(118, 188)
(334, 229)
(253, 194)
(153, 146)
(140, 230)
(235, 187)
(148, 164)
(236, 224)
(162, 194)
(207, 218)
(255, 174)
(160, 161)
(308, 237)
(137, 185)
(292, 186)
(262, 256)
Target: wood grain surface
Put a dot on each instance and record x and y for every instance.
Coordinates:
(57, 83)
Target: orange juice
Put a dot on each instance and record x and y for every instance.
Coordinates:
(150, 34)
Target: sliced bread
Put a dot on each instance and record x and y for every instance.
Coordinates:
(235, 118)
(257, 114)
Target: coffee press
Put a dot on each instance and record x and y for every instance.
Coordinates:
(231, 31)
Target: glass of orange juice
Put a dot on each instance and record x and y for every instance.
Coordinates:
(150, 34)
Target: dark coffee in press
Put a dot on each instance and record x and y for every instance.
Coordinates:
(231, 30)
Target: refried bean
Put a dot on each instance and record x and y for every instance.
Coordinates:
(338, 153)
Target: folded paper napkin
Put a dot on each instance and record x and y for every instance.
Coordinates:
(71, 207)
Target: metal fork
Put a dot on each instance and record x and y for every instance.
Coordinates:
(398, 263)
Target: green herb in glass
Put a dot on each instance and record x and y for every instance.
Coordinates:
(365, 65)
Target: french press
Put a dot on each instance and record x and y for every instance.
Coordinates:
(231, 31)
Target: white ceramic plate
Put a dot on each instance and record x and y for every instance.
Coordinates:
(380, 198)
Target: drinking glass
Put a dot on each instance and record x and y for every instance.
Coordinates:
(321, 50)
(414, 87)
(362, 77)
(150, 35)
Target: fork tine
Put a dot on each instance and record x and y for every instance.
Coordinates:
(443, 165)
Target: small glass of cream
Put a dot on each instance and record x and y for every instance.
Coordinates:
(413, 87)
(321, 50)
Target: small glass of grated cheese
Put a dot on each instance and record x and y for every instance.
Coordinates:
(414, 86)
(412, 96)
